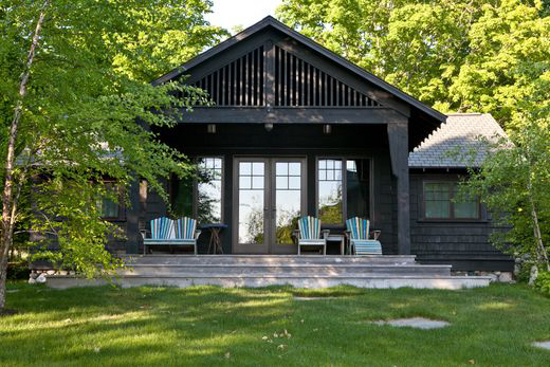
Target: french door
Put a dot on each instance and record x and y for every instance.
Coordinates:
(270, 197)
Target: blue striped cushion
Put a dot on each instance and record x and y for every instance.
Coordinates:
(310, 228)
(185, 228)
(358, 228)
(162, 228)
(370, 247)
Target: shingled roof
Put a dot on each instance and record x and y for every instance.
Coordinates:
(460, 134)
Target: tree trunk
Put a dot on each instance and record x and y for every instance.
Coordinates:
(9, 201)
(543, 255)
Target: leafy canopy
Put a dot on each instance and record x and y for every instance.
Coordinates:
(88, 86)
(455, 55)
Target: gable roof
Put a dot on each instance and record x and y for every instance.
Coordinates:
(273, 23)
(459, 134)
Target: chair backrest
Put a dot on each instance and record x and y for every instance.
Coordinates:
(185, 228)
(162, 228)
(358, 228)
(310, 228)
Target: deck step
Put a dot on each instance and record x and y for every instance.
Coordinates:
(287, 269)
(270, 259)
(313, 282)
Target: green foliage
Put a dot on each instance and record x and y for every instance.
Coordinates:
(513, 182)
(542, 283)
(89, 85)
(456, 55)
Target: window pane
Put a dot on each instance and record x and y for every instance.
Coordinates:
(438, 209)
(209, 190)
(437, 200)
(251, 206)
(258, 168)
(330, 202)
(108, 209)
(330, 193)
(358, 188)
(281, 168)
(294, 169)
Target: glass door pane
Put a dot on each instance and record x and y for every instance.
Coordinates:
(251, 202)
(288, 199)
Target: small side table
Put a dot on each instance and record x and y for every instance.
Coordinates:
(215, 243)
(338, 238)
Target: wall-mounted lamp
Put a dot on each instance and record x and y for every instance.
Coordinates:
(268, 126)
(211, 128)
(327, 129)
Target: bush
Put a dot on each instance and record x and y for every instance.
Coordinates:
(18, 270)
(542, 283)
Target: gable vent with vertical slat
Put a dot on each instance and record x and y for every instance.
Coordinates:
(298, 83)
(239, 83)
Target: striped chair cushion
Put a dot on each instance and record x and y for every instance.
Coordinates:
(185, 228)
(367, 247)
(310, 228)
(162, 228)
(358, 228)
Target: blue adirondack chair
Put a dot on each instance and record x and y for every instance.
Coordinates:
(309, 234)
(358, 236)
(165, 231)
(187, 232)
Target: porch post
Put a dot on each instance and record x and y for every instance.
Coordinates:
(399, 153)
(132, 219)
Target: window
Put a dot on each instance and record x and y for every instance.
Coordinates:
(343, 189)
(108, 208)
(200, 198)
(440, 202)
(209, 190)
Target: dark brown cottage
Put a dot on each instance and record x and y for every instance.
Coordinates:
(297, 130)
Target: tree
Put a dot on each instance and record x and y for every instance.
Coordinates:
(455, 55)
(514, 183)
(74, 79)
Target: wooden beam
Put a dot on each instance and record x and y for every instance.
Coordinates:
(286, 115)
(269, 73)
(399, 154)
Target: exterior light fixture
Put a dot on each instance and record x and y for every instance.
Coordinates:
(268, 126)
(211, 128)
(327, 129)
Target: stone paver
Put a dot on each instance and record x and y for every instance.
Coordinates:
(312, 298)
(414, 322)
(544, 345)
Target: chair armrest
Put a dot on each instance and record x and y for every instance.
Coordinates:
(198, 233)
(143, 233)
(326, 233)
(348, 235)
(376, 234)
(295, 236)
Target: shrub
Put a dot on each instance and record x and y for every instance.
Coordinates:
(543, 282)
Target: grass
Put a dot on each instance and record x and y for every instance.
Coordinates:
(210, 326)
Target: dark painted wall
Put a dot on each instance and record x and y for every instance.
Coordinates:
(464, 244)
(308, 141)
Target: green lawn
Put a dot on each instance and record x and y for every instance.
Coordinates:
(209, 326)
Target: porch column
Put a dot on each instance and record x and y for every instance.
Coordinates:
(132, 219)
(399, 153)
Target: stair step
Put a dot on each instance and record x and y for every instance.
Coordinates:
(269, 259)
(287, 269)
(301, 281)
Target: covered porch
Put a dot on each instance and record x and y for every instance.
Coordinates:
(293, 130)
